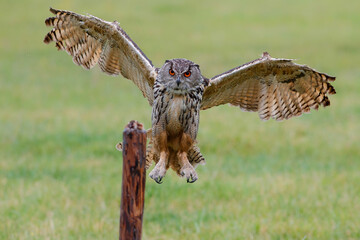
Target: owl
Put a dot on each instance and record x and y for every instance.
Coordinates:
(274, 87)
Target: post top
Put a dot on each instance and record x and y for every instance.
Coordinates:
(134, 125)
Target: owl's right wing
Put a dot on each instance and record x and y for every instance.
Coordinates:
(90, 40)
(274, 87)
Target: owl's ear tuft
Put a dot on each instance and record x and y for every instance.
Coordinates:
(195, 65)
(169, 61)
(206, 81)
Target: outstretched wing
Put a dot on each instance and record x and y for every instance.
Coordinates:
(90, 40)
(276, 88)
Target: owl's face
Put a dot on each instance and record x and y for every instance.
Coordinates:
(180, 76)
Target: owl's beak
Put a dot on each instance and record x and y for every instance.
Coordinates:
(178, 81)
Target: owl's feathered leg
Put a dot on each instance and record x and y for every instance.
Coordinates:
(159, 171)
(151, 155)
(194, 155)
(186, 170)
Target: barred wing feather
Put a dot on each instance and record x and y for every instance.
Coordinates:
(275, 88)
(90, 40)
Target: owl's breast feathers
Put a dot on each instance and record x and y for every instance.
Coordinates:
(176, 113)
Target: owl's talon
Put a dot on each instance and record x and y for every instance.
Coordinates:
(189, 173)
(158, 180)
(158, 173)
(192, 180)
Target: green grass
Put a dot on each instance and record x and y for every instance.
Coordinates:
(60, 175)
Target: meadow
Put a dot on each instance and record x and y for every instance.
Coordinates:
(60, 174)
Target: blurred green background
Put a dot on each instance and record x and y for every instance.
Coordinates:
(60, 175)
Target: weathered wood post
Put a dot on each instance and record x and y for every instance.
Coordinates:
(133, 181)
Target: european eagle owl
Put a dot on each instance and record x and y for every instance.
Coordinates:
(274, 87)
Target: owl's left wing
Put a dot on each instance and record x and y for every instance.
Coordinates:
(273, 87)
(91, 40)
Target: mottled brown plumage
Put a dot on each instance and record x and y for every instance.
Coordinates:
(275, 88)
(90, 40)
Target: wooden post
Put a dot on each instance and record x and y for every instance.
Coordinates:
(133, 181)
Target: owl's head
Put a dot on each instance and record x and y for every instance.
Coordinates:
(181, 76)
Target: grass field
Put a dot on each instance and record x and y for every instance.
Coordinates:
(60, 175)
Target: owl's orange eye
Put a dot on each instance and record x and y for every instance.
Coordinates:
(187, 74)
(171, 72)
